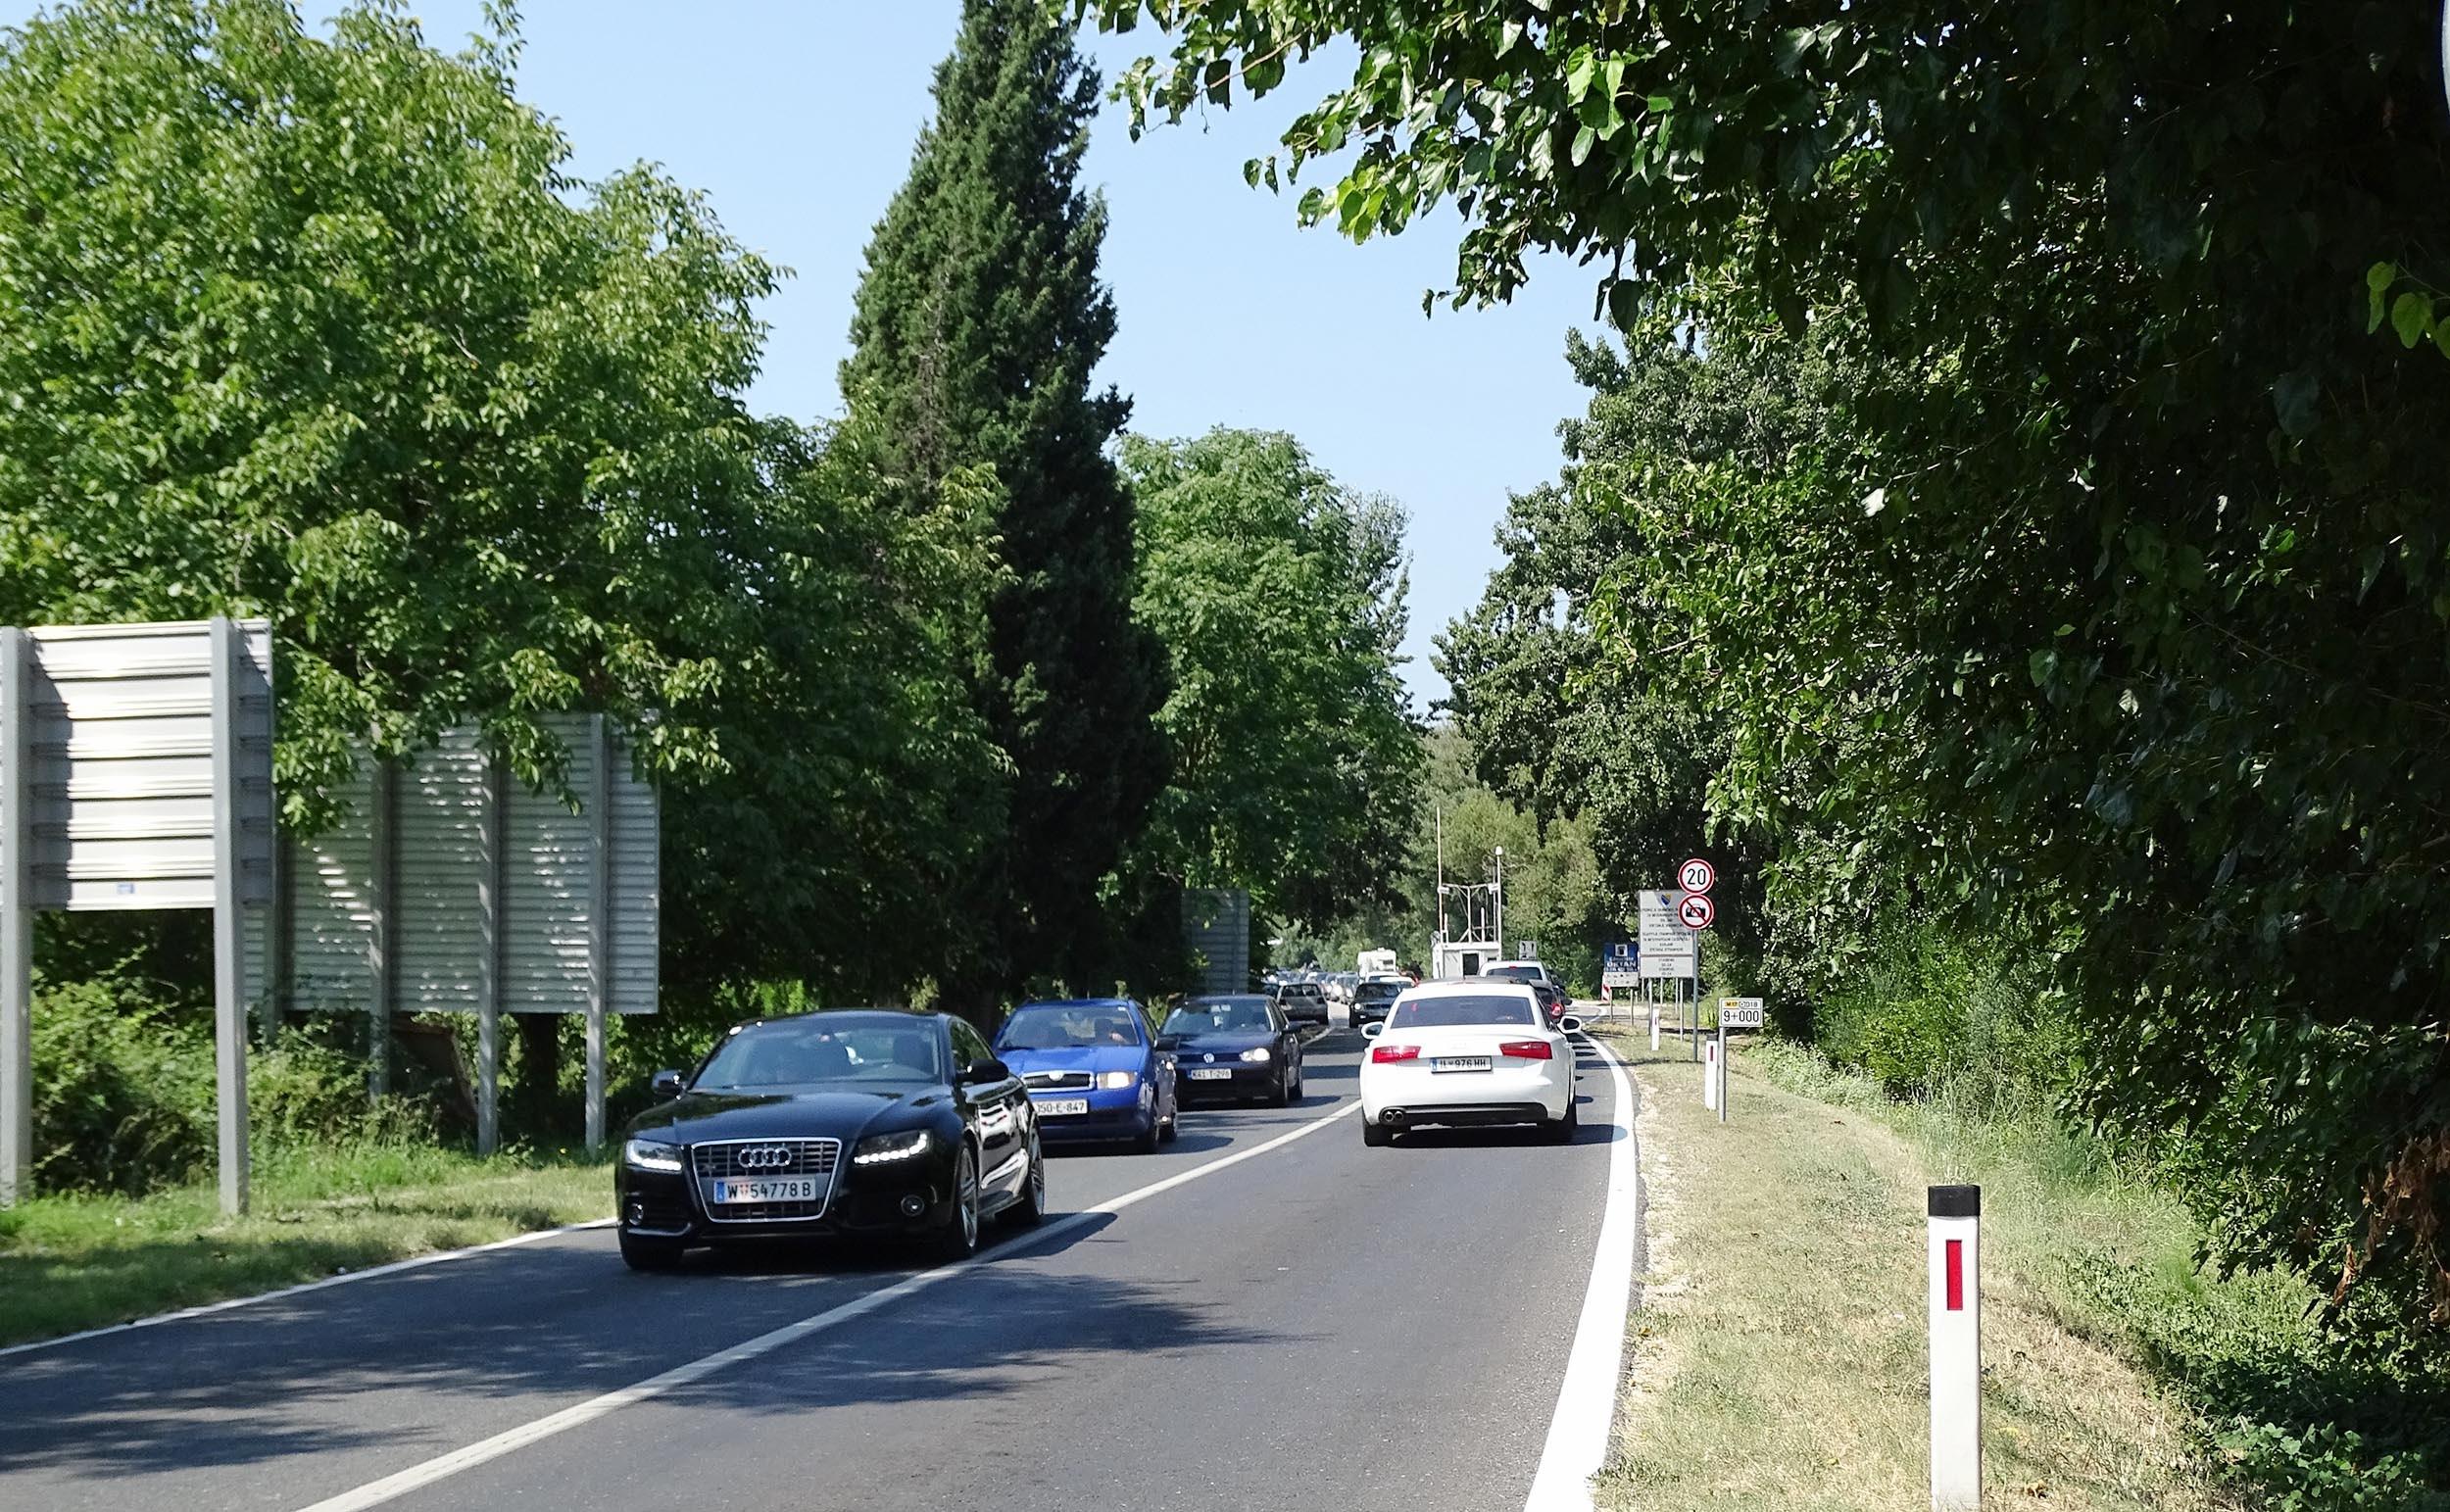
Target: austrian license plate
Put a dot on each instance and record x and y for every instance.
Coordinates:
(767, 1189)
(1460, 1063)
(1059, 1107)
(1210, 1074)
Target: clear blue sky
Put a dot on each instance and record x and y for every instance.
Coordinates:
(797, 118)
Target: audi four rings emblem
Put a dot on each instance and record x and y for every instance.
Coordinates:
(766, 1157)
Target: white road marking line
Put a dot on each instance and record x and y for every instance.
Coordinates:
(1578, 1433)
(375, 1492)
(389, 1268)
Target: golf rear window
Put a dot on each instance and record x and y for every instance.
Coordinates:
(1459, 1012)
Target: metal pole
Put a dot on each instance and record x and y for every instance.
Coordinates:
(229, 961)
(492, 872)
(1497, 903)
(1722, 1066)
(599, 927)
(17, 923)
(382, 825)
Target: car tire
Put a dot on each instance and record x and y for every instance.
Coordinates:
(641, 1253)
(958, 1240)
(1560, 1131)
(1297, 1081)
(1376, 1135)
(1031, 1205)
(1145, 1142)
(1281, 1094)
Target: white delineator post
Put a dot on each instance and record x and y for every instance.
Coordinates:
(1709, 1074)
(1654, 1027)
(1956, 1349)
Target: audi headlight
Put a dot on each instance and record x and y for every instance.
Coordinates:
(1259, 1053)
(1110, 1080)
(651, 1155)
(879, 1148)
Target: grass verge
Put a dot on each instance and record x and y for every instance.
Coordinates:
(72, 1262)
(1778, 1360)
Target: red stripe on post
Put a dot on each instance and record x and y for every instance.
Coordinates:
(1956, 1275)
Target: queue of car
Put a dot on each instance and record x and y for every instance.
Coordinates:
(886, 1123)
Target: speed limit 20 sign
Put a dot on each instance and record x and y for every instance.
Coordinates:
(1694, 910)
(1696, 875)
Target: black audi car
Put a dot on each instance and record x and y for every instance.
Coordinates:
(845, 1122)
(1233, 1044)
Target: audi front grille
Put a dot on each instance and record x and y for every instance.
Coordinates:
(749, 1160)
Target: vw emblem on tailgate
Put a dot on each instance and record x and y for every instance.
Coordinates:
(766, 1158)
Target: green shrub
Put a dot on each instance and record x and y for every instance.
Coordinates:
(124, 1094)
(122, 1087)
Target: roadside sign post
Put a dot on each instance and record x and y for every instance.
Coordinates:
(136, 774)
(1733, 1013)
(1954, 1256)
(16, 929)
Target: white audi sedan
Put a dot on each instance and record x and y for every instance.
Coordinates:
(1474, 1050)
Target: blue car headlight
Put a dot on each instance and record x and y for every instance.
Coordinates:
(651, 1155)
(882, 1149)
(1115, 1080)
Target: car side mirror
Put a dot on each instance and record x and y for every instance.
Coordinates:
(985, 1069)
(1168, 1042)
(1372, 1031)
(666, 1084)
(1569, 1024)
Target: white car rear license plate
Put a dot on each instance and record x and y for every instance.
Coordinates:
(1210, 1074)
(1460, 1063)
(1058, 1107)
(772, 1189)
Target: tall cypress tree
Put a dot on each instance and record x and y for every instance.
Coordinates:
(978, 323)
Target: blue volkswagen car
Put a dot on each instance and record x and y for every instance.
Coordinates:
(1094, 1071)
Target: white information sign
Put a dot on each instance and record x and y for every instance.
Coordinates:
(1740, 1013)
(1667, 946)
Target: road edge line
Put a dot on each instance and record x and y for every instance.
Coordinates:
(369, 1273)
(1586, 1412)
(442, 1467)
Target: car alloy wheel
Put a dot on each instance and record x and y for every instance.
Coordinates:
(1033, 1204)
(959, 1239)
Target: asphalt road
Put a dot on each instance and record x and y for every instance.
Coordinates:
(1315, 1325)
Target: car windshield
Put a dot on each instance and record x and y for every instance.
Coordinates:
(1377, 992)
(1222, 1014)
(804, 1053)
(1459, 1012)
(1063, 1026)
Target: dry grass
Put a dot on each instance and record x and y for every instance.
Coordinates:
(1779, 1359)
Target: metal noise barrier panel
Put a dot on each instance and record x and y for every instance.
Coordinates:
(447, 882)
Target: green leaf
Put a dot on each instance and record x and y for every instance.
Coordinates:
(1579, 72)
(2412, 317)
(1582, 141)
